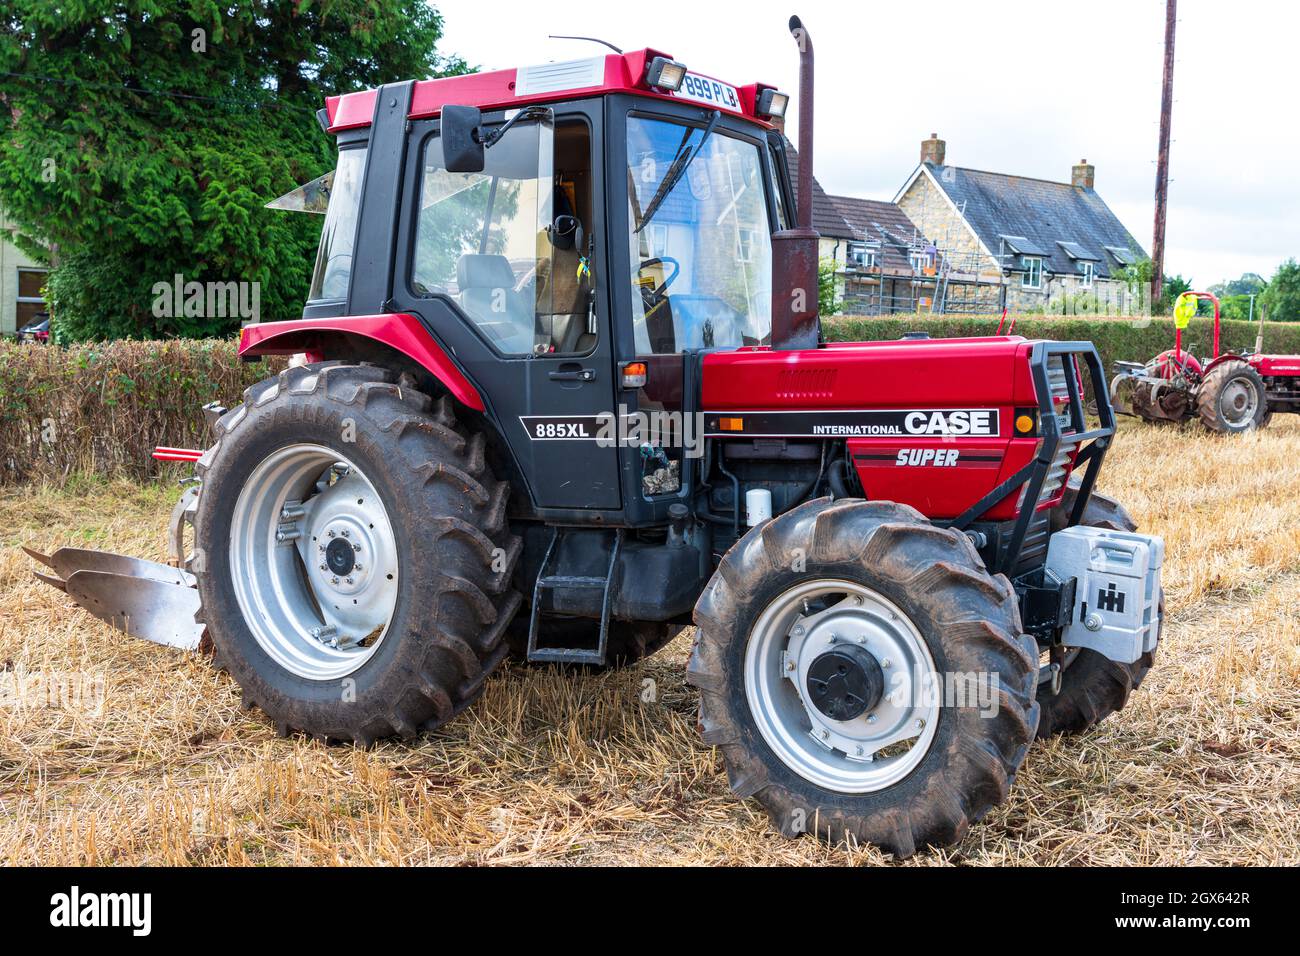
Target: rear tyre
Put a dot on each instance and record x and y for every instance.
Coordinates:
(1092, 685)
(1232, 398)
(387, 611)
(804, 617)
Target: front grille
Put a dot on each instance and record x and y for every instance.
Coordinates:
(1058, 381)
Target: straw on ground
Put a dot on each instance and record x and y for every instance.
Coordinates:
(1202, 767)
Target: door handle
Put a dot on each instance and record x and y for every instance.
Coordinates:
(573, 375)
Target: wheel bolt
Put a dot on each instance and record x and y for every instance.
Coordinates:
(356, 547)
(345, 534)
(356, 567)
(872, 718)
(334, 580)
(323, 568)
(329, 534)
(884, 662)
(349, 580)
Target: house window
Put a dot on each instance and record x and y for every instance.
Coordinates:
(745, 239)
(657, 240)
(1088, 271)
(1033, 277)
(30, 302)
(861, 256)
(922, 262)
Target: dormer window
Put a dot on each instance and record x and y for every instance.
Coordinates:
(1087, 272)
(861, 255)
(1033, 272)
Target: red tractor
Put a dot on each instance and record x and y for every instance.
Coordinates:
(1228, 391)
(560, 392)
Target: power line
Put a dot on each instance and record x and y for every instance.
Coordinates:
(116, 88)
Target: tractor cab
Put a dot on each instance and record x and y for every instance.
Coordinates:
(572, 234)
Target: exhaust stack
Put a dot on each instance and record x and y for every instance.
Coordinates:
(795, 322)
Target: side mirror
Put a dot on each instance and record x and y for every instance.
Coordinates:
(462, 139)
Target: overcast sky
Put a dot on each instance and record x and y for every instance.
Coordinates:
(1012, 85)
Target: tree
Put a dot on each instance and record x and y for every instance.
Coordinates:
(1281, 299)
(142, 138)
(829, 301)
(1137, 277)
(1250, 283)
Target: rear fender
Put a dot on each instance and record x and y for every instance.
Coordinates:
(324, 339)
(1224, 359)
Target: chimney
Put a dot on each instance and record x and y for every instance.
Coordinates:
(932, 150)
(1084, 175)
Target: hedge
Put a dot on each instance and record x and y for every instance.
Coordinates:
(103, 408)
(1118, 339)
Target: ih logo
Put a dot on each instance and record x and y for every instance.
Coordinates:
(1111, 599)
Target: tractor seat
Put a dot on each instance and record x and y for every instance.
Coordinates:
(488, 296)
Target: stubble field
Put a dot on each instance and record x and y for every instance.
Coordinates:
(1203, 767)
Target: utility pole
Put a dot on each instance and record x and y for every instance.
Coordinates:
(1162, 159)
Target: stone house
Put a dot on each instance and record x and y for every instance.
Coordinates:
(21, 280)
(1043, 246)
(882, 263)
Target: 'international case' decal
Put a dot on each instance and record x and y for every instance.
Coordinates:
(977, 422)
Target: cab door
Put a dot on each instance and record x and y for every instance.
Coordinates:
(506, 268)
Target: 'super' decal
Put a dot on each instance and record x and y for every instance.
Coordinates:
(928, 458)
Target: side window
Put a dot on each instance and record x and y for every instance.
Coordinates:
(342, 191)
(510, 244)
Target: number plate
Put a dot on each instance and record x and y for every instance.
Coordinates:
(702, 89)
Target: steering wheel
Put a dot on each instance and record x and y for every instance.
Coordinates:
(658, 261)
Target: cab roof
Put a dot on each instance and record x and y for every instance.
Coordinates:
(571, 79)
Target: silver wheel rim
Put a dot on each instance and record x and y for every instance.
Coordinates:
(313, 560)
(851, 756)
(1238, 401)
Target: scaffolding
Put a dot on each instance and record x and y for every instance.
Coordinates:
(944, 277)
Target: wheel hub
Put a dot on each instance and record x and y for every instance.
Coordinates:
(338, 555)
(314, 561)
(846, 682)
(1238, 401)
(839, 681)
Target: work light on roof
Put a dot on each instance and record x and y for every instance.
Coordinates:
(665, 74)
(772, 103)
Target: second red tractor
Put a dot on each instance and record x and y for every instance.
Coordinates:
(1228, 391)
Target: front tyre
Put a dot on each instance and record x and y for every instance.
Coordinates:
(355, 559)
(864, 676)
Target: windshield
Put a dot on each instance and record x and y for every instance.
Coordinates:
(702, 262)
